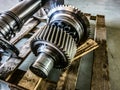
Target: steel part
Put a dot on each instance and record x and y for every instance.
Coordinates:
(43, 65)
(47, 5)
(7, 49)
(55, 43)
(72, 19)
(66, 28)
(12, 21)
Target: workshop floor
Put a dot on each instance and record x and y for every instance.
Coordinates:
(111, 10)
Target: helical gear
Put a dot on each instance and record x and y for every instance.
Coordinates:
(56, 38)
(56, 44)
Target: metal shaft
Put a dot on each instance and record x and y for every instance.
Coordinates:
(12, 20)
(25, 9)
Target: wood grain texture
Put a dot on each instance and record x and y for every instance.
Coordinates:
(45, 84)
(85, 48)
(16, 76)
(29, 80)
(69, 77)
(100, 77)
(10, 86)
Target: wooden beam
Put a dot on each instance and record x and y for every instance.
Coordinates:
(68, 78)
(29, 80)
(16, 76)
(10, 86)
(100, 77)
(45, 84)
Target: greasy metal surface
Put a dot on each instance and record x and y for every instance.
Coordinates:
(12, 21)
(57, 46)
(26, 9)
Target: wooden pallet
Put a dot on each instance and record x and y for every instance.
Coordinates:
(17, 79)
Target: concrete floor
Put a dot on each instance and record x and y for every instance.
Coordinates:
(111, 10)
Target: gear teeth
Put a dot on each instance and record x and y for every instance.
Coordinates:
(81, 23)
(68, 8)
(59, 38)
(65, 7)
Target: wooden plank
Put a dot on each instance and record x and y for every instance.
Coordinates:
(29, 81)
(27, 27)
(8, 86)
(85, 48)
(100, 77)
(16, 76)
(8, 67)
(45, 84)
(100, 30)
(69, 77)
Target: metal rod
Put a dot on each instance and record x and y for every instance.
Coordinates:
(12, 20)
(25, 9)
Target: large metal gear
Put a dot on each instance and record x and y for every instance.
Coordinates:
(75, 22)
(56, 44)
(58, 38)
(12, 21)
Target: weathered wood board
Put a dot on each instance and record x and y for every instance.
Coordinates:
(100, 76)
